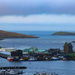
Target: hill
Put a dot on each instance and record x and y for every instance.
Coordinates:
(6, 34)
(63, 33)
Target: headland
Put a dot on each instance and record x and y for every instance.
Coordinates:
(6, 34)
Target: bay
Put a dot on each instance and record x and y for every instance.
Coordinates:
(60, 67)
(45, 41)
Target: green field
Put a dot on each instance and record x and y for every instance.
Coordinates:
(71, 54)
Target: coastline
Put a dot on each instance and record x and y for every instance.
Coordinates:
(6, 34)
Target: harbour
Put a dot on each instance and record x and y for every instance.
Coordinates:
(60, 67)
(37, 37)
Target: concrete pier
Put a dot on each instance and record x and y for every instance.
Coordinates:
(14, 67)
(4, 54)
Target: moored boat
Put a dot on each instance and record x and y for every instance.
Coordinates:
(45, 73)
(24, 57)
(64, 59)
(54, 58)
(32, 59)
(10, 58)
(73, 41)
(11, 72)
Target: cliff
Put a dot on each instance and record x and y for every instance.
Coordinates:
(63, 33)
(6, 34)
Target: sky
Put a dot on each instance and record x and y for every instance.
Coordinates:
(37, 15)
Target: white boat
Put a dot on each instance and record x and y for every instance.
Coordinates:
(11, 72)
(45, 73)
(54, 58)
(32, 59)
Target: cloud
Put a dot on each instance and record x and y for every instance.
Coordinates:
(39, 19)
(29, 7)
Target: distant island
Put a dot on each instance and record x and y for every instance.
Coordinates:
(63, 33)
(6, 34)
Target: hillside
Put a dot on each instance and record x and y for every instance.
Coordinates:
(63, 33)
(6, 34)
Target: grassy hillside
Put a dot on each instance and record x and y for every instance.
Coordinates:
(6, 34)
(63, 33)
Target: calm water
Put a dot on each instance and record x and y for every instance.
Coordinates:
(60, 67)
(45, 41)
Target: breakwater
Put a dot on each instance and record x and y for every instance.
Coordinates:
(4, 55)
(14, 67)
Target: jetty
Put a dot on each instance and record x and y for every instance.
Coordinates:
(17, 54)
(14, 67)
(4, 54)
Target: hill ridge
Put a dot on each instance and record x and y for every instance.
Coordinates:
(7, 34)
(63, 33)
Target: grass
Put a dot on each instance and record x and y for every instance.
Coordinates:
(71, 54)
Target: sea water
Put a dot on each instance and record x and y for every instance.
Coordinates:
(60, 67)
(45, 40)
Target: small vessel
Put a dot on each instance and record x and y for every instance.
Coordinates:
(10, 58)
(14, 72)
(11, 72)
(73, 41)
(45, 73)
(64, 59)
(24, 57)
(32, 59)
(54, 58)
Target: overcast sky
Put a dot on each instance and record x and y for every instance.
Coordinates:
(48, 15)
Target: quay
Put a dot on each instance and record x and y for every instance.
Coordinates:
(4, 55)
(16, 55)
(14, 67)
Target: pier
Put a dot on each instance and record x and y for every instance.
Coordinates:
(4, 54)
(14, 67)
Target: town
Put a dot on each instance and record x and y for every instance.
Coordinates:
(34, 54)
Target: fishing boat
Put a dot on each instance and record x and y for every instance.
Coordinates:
(11, 72)
(24, 57)
(10, 58)
(45, 73)
(32, 59)
(64, 59)
(73, 41)
(14, 72)
(54, 58)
